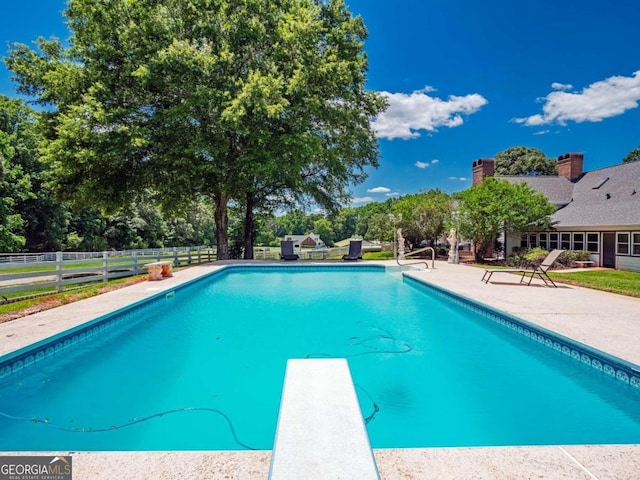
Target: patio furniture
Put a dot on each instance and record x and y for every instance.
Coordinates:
(355, 251)
(540, 270)
(286, 250)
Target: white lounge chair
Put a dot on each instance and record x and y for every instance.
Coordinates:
(540, 270)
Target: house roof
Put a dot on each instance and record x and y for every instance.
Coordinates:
(605, 197)
(557, 189)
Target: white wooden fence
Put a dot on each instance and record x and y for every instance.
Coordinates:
(60, 269)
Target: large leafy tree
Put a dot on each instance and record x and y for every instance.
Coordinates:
(41, 220)
(18, 144)
(498, 206)
(524, 161)
(632, 156)
(423, 215)
(245, 100)
(374, 222)
(344, 223)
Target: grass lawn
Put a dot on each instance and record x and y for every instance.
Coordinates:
(20, 308)
(614, 281)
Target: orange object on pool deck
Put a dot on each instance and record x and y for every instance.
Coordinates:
(159, 270)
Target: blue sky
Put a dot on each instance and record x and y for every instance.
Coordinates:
(468, 79)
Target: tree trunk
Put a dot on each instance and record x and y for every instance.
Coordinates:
(222, 222)
(248, 227)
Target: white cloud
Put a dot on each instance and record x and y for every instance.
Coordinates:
(379, 190)
(541, 132)
(561, 86)
(355, 200)
(409, 114)
(420, 164)
(607, 98)
(461, 179)
(392, 194)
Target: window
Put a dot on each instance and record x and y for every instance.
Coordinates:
(622, 243)
(593, 242)
(543, 240)
(565, 241)
(635, 243)
(533, 240)
(553, 241)
(578, 241)
(524, 240)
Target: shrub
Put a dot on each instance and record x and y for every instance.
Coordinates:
(533, 257)
(527, 258)
(569, 257)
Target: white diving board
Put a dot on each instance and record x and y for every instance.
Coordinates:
(321, 433)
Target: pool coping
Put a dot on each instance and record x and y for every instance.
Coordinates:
(575, 461)
(623, 370)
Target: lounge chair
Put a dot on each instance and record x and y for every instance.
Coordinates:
(540, 270)
(286, 251)
(355, 251)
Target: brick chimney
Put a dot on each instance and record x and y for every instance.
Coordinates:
(482, 168)
(570, 165)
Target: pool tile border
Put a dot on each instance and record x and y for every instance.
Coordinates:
(15, 361)
(600, 361)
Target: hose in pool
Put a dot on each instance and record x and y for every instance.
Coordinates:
(45, 421)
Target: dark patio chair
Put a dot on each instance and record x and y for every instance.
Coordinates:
(286, 251)
(355, 251)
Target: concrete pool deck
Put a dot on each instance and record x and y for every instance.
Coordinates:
(604, 321)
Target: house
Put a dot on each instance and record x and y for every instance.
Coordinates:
(310, 240)
(598, 211)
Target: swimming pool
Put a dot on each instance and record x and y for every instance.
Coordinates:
(202, 368)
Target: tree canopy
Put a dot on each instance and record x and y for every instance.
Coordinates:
(632, 156)
(255, 101)
(498, 206)
(18, 139)
(524, 161)
(422, 215)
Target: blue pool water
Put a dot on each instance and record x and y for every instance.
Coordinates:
(203, 368)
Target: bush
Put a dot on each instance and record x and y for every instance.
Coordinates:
(527, 258)
(570, 257)
(533, 257)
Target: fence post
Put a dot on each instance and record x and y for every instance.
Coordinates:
(199, 257)
(135, 262)
(105, 265)
(58, 271)
(176, 262)
(189, 255)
